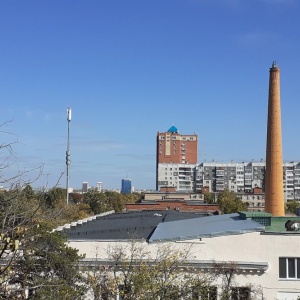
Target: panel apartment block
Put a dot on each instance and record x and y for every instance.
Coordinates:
(244, 177)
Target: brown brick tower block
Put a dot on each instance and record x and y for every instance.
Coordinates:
(274, 197)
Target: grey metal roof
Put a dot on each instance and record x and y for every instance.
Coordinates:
(204, 227)
(125, 225)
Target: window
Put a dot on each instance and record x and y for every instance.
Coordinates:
(240, 293)
(289, 267)
(205, 293)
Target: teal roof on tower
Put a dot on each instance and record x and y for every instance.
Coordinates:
(173, 129)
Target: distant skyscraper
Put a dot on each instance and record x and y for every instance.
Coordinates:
(126, 186)
(99, 186)
(176, 156)
(85, 186)
(274, 198)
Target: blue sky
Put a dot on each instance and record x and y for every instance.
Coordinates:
(131, 68)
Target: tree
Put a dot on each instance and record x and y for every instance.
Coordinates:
(209, 197)
(227, 271)
(230, 203)
(104, 201)
(47, 266)
(55, 197)
(35, 262)
(16, 216)
(291, 206)
(135, 275)
(34, 259)
(97, 201)
(76, 198)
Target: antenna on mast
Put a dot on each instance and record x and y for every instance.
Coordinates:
(68, 154)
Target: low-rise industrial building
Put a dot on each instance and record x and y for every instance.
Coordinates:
(264, 251)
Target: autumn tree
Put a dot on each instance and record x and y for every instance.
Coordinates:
(58, 211)
(76, 198)
(16, 216)
(134, 274)
(35, 262)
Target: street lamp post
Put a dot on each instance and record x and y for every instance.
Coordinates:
(68, 154)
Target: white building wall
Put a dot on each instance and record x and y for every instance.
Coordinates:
(248, 247)
(177, 175)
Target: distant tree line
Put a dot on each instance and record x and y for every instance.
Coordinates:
(229, 202)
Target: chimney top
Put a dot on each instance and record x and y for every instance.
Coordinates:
(274, 64)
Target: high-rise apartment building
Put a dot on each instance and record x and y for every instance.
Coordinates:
(99, 186)
(291, 181)
(236, 177)
(178, 176)
(126, 186)
(85, 186)
(176, 158)
(244, 177)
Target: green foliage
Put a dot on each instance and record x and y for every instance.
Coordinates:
(104, 201)
(230, 203)
(291, 206)
(209, 197)
(47, 265)
(28, 192)
(33, 258)
(55, 197)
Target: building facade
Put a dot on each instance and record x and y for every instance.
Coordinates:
(126, 186)
(176, 159)
(244, 177)
(246, 241)
(235, 177)
(85, 187)
(178, 176)
(99, 186)
(291, 180)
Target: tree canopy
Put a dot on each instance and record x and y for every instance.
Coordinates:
(230, 203)
(104, 201)
(291, 206)
(35, 260)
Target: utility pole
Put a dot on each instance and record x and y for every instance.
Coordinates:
(68, 154)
